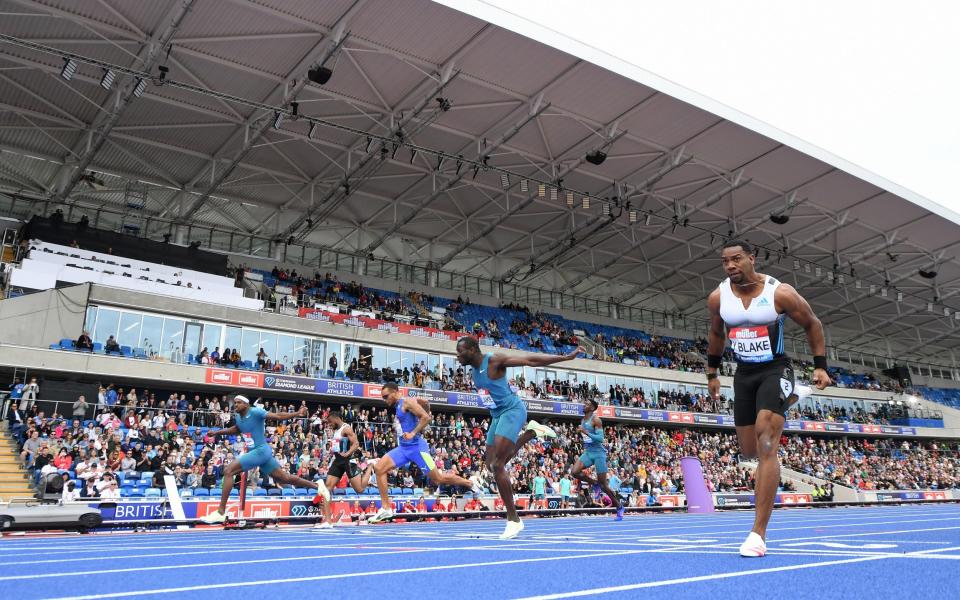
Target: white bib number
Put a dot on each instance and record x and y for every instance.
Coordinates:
(751, 344)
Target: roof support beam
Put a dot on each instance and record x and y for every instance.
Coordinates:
(123, 96)
(258, 124)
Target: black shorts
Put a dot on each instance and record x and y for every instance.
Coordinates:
(341, 465)
(761, 387)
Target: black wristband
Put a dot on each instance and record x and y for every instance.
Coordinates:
(820, 362)
(714, 361)
(711, 376)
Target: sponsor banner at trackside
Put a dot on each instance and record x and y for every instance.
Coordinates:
(353, 389)
(366, 322)
(913, 495)
(744, 499)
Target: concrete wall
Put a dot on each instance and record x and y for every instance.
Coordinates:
(802, 481)
(44, 318)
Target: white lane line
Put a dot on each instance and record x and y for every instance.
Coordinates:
(273, 582)
(714, 576)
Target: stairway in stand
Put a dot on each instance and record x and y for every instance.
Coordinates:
(14, 479)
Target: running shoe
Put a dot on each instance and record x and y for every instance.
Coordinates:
(512, 530)
(753, 546)
(476, 489)
(382, 515)
(323, 525)
(620, 513)
(214, 518)
(322, 493)
(541, 430)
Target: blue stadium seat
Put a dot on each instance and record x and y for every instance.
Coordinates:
(339, 492)
(98, 347)
(234, 493)
(201, 492)
(304, 492)
(259, 492)
(288, 492)
(152, 492)
(407, 492)
(66, 344)
(351, 492)
(273, 492)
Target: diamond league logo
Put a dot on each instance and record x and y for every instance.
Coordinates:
(269, 380)
(298, 510)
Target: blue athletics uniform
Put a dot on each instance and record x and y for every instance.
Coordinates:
(594, 454)
(415, 451)
(261, 455)
(507, 411)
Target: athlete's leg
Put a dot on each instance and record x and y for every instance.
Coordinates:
(577, 473)
(331, 484)
(228, 474)
(747, 438)
(360, 482)
(284, 478)
(605, 486)
(382, 469)
(503, 450)
(522, 440)
(769, 427)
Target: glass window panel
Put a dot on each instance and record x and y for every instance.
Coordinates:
(285, 344)
(420, 360)
(211, 337)
(107, 323)
(393, 359)
(151, 333)
(191, 341)
(172, 336)
(268, 341)
(379, 358)
(250, 345)
(406, 360)
(129, 333)
(334, 348)
(91, 319)
(232, 339)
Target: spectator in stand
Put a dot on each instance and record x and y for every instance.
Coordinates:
(16, 421)
(84, 342)
(333, 363)
(111, 345)
(299, 368)
(262, 359)
(30, 393)
(215, 356)
(80, 408)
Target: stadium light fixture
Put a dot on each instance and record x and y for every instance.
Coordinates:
(570, 199)
(106, 82)
(524, 186)
(69, 69)
(586, 203)
(541, 191)
(140, 88)
(553, 194)
(504, 180)
(277, 119)
(632, 216)
(319, 75)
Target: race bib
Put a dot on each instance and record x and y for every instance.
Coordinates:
(486, 400)
(751, 344)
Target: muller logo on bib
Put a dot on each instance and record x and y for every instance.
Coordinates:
(751, 344)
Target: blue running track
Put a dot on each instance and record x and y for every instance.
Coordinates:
(887, 551)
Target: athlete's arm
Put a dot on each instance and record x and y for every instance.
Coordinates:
(232, 430)
(715, 340)
(287, 415)
(425, 418)
(354, 442)
(597, 434)
(798, 309)
(499, 362)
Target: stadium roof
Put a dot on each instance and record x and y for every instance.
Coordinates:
(194, 157)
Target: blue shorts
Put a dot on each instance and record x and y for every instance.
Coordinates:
(259, 456)
(508, 423)
(592, 458)
(418, 454)
(539, 496)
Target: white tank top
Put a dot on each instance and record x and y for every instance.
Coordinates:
(756, 332)
(341, 443)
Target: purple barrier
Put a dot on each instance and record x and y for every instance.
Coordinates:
(699, 498)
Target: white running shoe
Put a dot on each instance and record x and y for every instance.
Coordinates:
(753, 546)
(323, 525)
(541, 430)
(476, 489)
(512, 530)
(800, 392)
(383, 514)
(214, 518)
(322, 492)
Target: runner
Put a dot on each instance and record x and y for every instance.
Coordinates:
(750, 308)
(595, 454)
(504, 437)
(346, 451)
